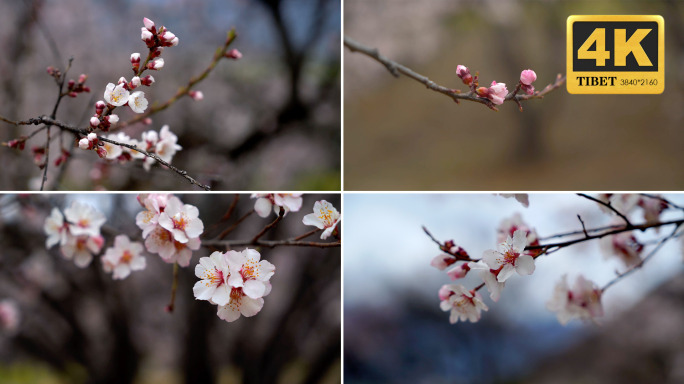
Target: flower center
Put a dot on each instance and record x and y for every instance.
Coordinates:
(83, 223)
(510, 256)
(325, 215)
(179, 222)
(126, 257)
(216, 278)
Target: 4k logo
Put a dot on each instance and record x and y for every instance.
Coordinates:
(616, 54)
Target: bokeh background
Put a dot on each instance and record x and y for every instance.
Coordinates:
(268, 121)
(80, 326)
(401, 136)
(395, 332)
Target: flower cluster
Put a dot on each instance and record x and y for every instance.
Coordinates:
(236, 282)
(275, 201)
(463, 304)
(324, 217)
(123, 93)
(496, 93)
(163, 144)
(74, 88)
(77, 232)
(583, 301)
(170, 228)
(123, 258)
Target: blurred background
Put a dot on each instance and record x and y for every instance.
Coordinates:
(395, 129)
(395, 332)
(268, 121)
(80, 326)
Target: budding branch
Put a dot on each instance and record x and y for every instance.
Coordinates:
(397, 69)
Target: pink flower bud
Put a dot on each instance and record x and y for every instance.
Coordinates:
(145, 35)
(17, 143)
(92, 136)
(86, 89)
(147, 121)
(94, 121)
(168, 36)
(71, 84)
(135, 82)
(234, 54)
(82, 78)
(464, 74)
(174, 42)
(156, 52)
(101, 152)
(459, 271)
(50, 70)
(147, 80)
(156, 64)
(149, 24)
(497, 92)
(112, 119)
(528, 77)
(84, 143)
(135, 57)
(73, 94)
(196, 95)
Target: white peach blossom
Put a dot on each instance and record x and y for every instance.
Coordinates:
(324, 216)
(116, 95)
(84, 219)
(583, 301)
(137, 102)
(463, 304)
(182, 220)
(213, 272)
(123, 257)
(509, 257)
(248, 272)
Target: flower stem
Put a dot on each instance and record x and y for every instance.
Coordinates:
(174, 285)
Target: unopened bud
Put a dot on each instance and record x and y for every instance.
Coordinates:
(135, 82)
(101, 152)
(112, 119)
(73, 94)
(233, 54)
(147, 80)
(196, 95)
(71, 84)
(94, 121)
(156, 64)
(82, 78)
(84, 143)
(149, 24)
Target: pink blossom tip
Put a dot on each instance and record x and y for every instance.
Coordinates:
(528, 77)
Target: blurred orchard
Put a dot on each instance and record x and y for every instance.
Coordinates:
(270, 120)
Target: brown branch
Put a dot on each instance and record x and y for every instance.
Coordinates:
(269, 243)
(607, 205)
(397, 69)
(644, 260)
(281, 214)
(230, 229)
(84, 132)
(444, 248)
(311, 232)
(185, 90)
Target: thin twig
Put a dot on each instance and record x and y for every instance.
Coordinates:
(84, 132)
(230, 229)
(281, 214)
(584, 229)
(644, 260)
(446, 249)
(396, 69)
(185, 90)
(269, 243)
(607, 205)
(174, 286)
(311, 232)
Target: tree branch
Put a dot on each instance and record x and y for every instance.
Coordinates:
(397, 69)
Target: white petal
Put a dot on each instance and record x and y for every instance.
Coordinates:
(254, 289)
(222, 295)
(507, 271)
(492, 258)
(203, 291)
(227, 313)
(250, 307)
(312, 219)
(263, 207)
(194, 228)
(524, 265)
(519, 241)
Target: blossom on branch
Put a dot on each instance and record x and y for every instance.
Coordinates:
(84, 219)
(213, 272)
(583, 301)
(494, 286)
(182, 220)
(123, 258)
(624, 246)
(137, 101)
(324, 216)
(463, 304)
(267, 201)
(248, 272)
(527, 77)
(463, 73)
(509, 257)
(116, 95)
